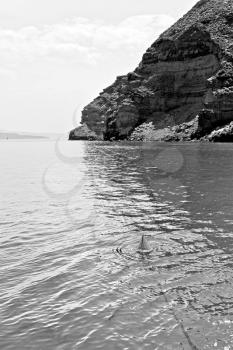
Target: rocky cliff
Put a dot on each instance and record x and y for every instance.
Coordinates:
(183, 85)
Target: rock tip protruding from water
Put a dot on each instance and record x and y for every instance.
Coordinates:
(144, 247)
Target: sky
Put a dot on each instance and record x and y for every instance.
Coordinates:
(57, 55)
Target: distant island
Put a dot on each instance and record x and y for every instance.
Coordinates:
(182, 89)
(16, 136)
(8, 135)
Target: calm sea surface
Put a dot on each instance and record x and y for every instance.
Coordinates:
(71, 218)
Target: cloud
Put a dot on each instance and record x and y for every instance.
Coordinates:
(80, 39)
(132, 33)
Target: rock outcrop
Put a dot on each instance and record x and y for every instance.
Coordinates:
(224, 134)
(183, 85)
(83, 133)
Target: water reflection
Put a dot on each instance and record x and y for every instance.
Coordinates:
(181, 195)
(71, 277)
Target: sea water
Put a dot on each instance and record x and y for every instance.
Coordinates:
(71, 217)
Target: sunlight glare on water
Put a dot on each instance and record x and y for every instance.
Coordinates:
(71, 218)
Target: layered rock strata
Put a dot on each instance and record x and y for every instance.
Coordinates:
(185, 77)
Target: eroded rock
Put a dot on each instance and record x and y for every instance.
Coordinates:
(224, 134)
(83, 132)
(187, 72)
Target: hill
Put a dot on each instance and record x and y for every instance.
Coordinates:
(182, 88)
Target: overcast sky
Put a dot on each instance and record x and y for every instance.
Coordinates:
(56, 55)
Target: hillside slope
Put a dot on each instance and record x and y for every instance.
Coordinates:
(185, 76)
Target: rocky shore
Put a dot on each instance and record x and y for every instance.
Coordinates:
(182, 89)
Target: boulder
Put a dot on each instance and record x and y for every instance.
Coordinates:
(82, 133)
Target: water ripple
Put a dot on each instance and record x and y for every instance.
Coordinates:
(71, 277)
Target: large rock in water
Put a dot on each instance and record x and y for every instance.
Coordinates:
(187, 72)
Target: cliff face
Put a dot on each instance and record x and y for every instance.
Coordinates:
(187, 72)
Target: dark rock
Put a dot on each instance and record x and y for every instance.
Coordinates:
(224, 134)
(185, 77)
(83, 133)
